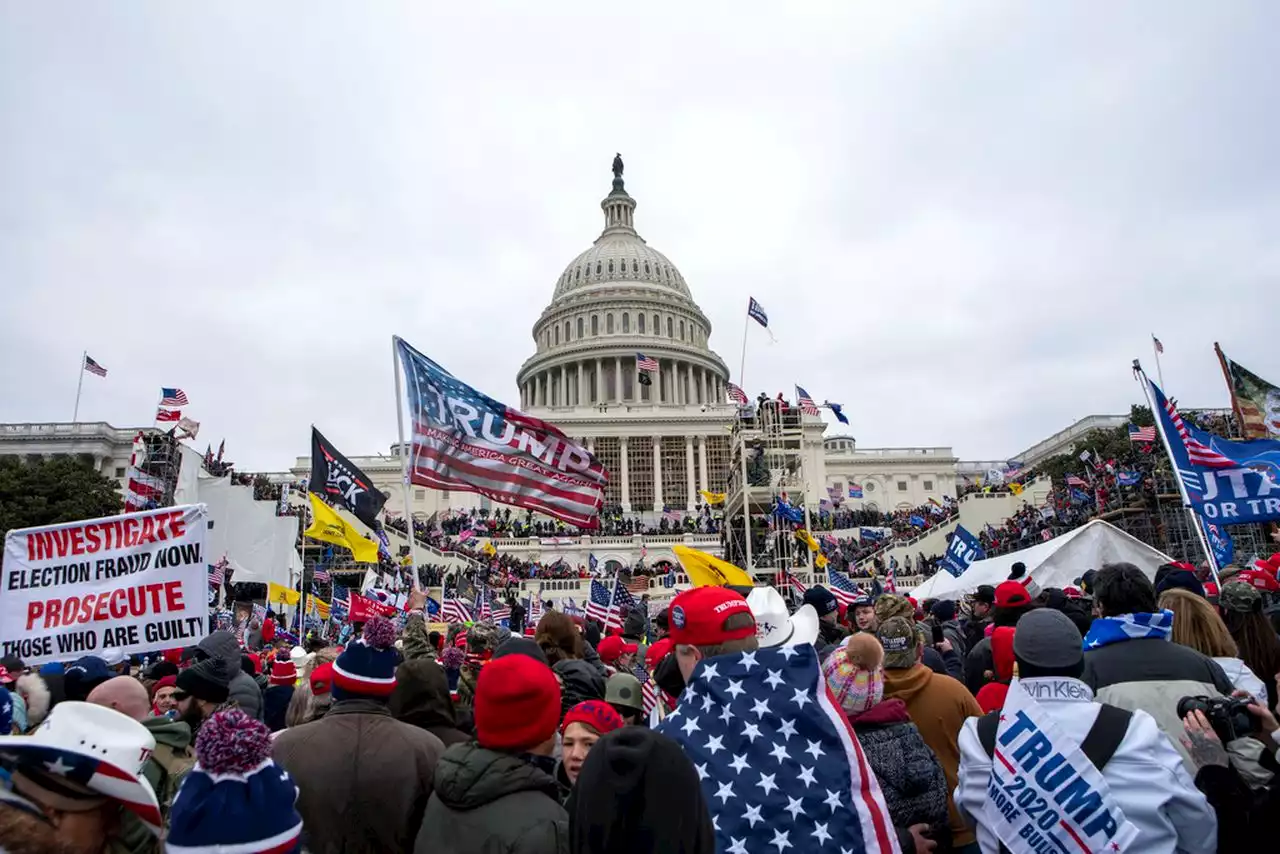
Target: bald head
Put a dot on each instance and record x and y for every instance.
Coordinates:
(124, 694)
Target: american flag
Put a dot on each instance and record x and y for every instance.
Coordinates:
(844, 590)
(320, 575)
(785, 579)
(454, 610)
(93, 367)
(217, 572)
(648, 691)
(341, 603)
(1072, 480)
(1141, 434)
(483, 611)
(737, 395)
(168, 414)
(807, 406)
(498, 452)
(1159, 347)
(600, 609)
(1198, 452)
(173, 397)
(891, 578)
(645, 363)
(778, 761)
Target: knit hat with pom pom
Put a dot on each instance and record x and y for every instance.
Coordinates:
(236, 798)
(367, 668)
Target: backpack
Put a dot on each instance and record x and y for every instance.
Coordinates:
(1099, 745)
(173, 766)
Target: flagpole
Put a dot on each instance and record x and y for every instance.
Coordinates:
(746, 502)
(1155, 349)
(742, 365)
(1177, 476)
(404, 461)
(75, 415)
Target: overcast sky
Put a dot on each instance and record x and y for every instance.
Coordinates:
(964, 220)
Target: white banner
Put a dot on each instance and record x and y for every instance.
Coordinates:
(136, 583)
(1044, 793)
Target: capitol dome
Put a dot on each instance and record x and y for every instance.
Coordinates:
(617, 300)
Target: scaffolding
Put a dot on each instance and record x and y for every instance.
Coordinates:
(766, 467)
(154, 464)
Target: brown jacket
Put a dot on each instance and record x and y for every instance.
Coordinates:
(939, 706)
(363, 778)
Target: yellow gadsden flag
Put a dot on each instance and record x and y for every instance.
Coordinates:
(805, 537)
(708, 571)
(278, 594)
(489, 549)
(1015, 488)
(712, 498)
(329, 527)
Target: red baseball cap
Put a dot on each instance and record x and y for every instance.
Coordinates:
(697, 616)
(656, 652)
(1259, 580)
(1011, 594)
(612, 647)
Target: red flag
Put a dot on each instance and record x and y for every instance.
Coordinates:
(169, 415)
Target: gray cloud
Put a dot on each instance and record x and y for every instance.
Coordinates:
(964, 221)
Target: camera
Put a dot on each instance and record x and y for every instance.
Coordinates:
(1229, 716)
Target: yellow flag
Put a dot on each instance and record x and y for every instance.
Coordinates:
(329, 527)
(805, 537)
(278, 594)
(820, 561)
(712, 497)
(319, 607)
(489, 549)
(1015, 488)
(709, 571)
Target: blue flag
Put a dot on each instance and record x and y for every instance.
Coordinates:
(1224, 550)
(1080, 497)
(433, 607)
(1128, 478)
(756, 312)
(917, 521)
(875, 535)
(855, 490)
(838, 411)
(962, 551)
(786, 511)
(1225, 481)
(777, 759)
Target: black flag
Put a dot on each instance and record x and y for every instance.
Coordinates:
(341, 483)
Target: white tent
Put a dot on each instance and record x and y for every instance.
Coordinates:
(1056, 563)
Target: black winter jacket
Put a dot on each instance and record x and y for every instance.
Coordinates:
(914, 787)
(487, 802)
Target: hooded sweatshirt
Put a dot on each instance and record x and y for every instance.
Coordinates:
(939, 706)
(421, 698)
(171, 760)
(992, 695)
(244, 690)
(638, 792)
(580, 681)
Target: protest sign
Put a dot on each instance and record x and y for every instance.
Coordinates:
(133, 583)
(1044, 793)
(963, 550)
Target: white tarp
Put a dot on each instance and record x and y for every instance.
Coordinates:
(1057, 563)
(257, 544)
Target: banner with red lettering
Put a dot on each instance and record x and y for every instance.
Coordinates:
(134, 583)
(362, 608)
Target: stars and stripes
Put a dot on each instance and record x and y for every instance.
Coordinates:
(1141, 434)
(217, 572)
(93, 367)
(464, 440)
(1198, 453)
(168, 414)
(454, 610)
(320, 575)
(173, 397)
(1072, 480)
(737, 395)
(646, 363)
(842, 588)
(807, 406)
(606, 609)
(891, 577)
(778, 761)
(1155, 342)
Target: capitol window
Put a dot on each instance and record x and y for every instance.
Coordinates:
(595, 324)
(646, 268)
(626, 322)
(597, 268)
(635, 266)
(682, 330)
(557, 334)
(580, 327)
(577, 274)
(869, 486)
(640, 323)
(608, 324)
(902, 486)
(610, 265)
(670, 328)
(566, 332)
(928, 486)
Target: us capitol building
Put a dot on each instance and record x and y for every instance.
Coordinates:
(662, 441)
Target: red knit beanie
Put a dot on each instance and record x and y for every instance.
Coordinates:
(597, 714)
(517, 704)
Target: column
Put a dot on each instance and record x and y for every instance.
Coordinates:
(564, 385)
(591, 444)
(582, 384)
(688, 474)
(537, 389)
(702, 463)
(626, 479)
(617, 379)
(599, 380)
(675, 370)
(657, 474)
(706, 386)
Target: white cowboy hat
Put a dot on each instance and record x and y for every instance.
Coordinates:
(774, 626)
(94, 748)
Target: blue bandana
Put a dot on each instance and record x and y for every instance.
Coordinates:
(1108, 630)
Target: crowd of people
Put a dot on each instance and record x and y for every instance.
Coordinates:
(567, 738)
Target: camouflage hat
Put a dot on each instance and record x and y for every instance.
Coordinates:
(1238, 596)
(892, 605)
(900, 638)
(482, 637)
